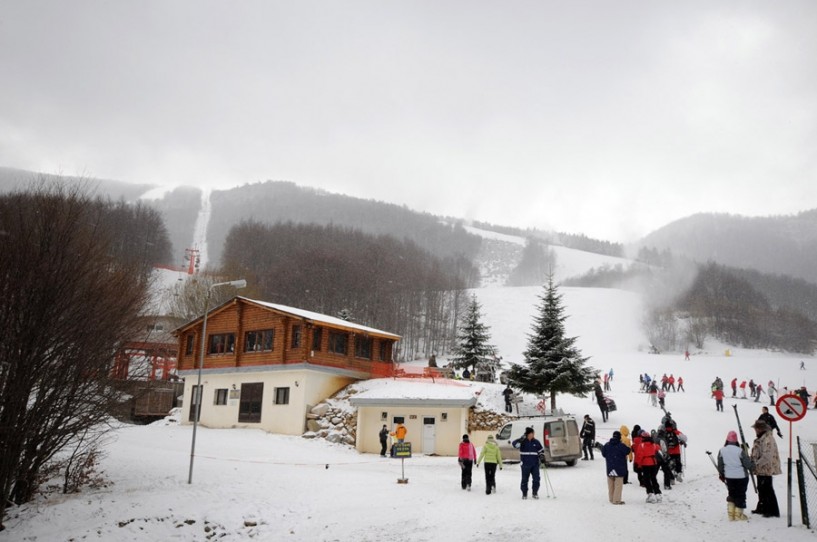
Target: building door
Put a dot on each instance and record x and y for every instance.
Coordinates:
(429, 435)
(195, 400)
(249, 406)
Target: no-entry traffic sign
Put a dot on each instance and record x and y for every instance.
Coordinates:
(791, 407)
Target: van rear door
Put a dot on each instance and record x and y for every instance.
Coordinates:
(557, 439)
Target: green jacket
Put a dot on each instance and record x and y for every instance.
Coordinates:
(490, 453)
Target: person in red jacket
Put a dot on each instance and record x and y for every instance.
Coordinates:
(718, 395)
(675, 440)
(648, 463)
(467, 456)
(734, 387)
(636, 443)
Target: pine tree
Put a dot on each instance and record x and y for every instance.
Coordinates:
(554, 363)
(472, 339)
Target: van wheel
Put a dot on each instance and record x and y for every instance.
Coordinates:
(571, 463)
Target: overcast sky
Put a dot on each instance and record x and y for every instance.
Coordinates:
(604, 118)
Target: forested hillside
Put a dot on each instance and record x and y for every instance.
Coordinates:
(379, 281)
(272, 202)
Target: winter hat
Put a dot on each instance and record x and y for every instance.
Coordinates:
(490, 437)
(760, 424)
(731, 436)
(644, 434)
(528, 431)
(465, 438)
(617, 434)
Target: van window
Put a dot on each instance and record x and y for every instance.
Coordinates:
(505, 433)
(556, 429)
(572, 428)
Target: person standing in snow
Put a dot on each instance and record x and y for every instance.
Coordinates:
(662, 396)
(734, 387)
(634, 459)
(600, 400)
(531, 452)
(647, 459)
(467, 455)
(653, 393)
(491, 457)
(766, 460)
(733, 468)
(758, 391)
(508, 394)
(400, 432)
(675, 440)
(615, 456)
(384, 438)
(718, 395)
(681, 384)
(625, 439)
(606, 380)
(772, 391)
(751, 387)
(588, 436)
(743, 389)
(770, 420)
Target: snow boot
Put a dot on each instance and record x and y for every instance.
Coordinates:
(730, 511)
(739, 515)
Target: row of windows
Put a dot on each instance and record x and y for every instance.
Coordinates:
(264, 341)
(281, 396)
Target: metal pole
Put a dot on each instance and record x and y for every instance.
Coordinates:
(235, 284)
(788, 497)
(197, 389)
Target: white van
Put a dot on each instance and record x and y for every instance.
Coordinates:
(558, 434)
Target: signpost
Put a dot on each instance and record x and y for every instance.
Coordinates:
(791, 408)
(402, 450)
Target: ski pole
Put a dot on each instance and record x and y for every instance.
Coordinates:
(708, 453)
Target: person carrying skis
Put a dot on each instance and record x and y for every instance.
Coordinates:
(466, 455)
(531, 452)
(733, 469)
(766, 460)
(600, 400)
(674, 440)
(491, 457)
(588, 436)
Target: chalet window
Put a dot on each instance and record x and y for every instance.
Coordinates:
(259, 341)
(221, 397)
(363, 347)
(385, 350)
(156, 327)
(249, 408)
(317, 338)
(296, 336)
(338, 342)
(195, 399)
(223, 343)
(281, 396)
(188, 347)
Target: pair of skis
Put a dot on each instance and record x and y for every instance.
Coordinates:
(744, 446)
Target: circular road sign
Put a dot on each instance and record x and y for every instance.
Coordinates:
(791, 407)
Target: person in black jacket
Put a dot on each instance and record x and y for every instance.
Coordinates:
(588, 436)
(384, 437)
(770, 421)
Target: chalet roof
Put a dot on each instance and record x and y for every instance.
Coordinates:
(410, 392)
(327, 320)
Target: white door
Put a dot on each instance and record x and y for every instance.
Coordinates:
(429, 435)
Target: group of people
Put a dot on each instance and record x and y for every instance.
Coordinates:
(490, 456)
(756, 390)
(735, 466)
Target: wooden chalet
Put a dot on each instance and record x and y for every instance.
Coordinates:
(265, 365)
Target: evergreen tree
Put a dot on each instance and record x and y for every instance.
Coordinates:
(554, 363)
(472, 340)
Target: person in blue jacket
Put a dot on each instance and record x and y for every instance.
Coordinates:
(615, 454)
(531, 452)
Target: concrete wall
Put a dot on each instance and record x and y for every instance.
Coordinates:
(290, 419)
(448, 433)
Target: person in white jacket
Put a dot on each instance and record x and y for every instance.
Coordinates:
(734, 466)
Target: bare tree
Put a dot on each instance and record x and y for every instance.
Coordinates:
(69, 301)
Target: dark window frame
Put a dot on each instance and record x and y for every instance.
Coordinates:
(216, 339)
(259, 340)
(281, 396)
(220, 396)
(363, 347)
(335, 343)
(190, 344)
(251, 402)
(317, 339)
(295, 336)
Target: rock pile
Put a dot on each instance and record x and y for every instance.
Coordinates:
(331, 422)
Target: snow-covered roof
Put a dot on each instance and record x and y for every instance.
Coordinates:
(323, 318)
(387, 391)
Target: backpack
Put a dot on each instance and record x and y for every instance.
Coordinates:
(672, 439)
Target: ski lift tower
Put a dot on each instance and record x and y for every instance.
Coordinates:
(192, 259)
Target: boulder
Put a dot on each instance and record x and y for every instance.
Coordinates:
(320, 409)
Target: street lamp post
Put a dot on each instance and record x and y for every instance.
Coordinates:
(197, 393)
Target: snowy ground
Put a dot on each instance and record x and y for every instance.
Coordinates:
(248, 484)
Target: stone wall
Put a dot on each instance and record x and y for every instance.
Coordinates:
(486, 420)
(332, 423)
